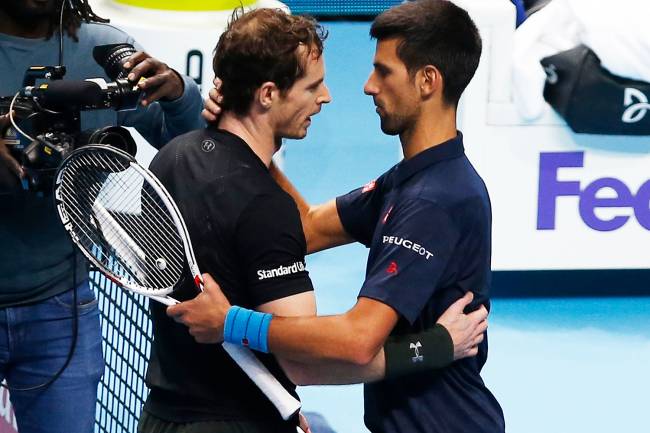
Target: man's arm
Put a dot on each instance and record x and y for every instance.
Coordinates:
(321, 224)
(204, 317)
(455, 336)
(333, 373)
(355, 336)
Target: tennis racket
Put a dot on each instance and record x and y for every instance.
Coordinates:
(125, 222)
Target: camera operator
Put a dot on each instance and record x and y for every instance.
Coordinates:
(46, 305)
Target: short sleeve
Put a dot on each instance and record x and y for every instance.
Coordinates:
(272, 247)
(359, 210)
(406, 265)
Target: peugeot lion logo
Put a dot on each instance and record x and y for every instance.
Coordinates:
(635, 111)
(417, 357)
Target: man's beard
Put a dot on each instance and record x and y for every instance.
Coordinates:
(394, 124)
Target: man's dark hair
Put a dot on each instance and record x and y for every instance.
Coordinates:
(74, 13)
(260, 46)
(434, 32)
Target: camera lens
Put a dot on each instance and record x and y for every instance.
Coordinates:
(115, 136)
(111, 57)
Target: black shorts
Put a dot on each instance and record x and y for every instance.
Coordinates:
(151, 424)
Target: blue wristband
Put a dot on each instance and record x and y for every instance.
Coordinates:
(247, 328)
(228, 324)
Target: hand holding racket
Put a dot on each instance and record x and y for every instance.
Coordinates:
(125, 222)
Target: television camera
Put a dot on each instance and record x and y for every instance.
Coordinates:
(46, 115)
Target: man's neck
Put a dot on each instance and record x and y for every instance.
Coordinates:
(254, 132)
(430, 130)
(34, 29)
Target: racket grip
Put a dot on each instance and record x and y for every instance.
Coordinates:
(286, 404)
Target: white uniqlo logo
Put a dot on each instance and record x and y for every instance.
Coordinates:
(417, 357)
(637, 105)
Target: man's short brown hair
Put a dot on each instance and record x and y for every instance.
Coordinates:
(260, 46)
(434, 32)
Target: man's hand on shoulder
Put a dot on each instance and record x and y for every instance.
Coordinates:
(466, 330)
(159, 82)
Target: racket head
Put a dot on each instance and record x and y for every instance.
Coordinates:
(123, 220)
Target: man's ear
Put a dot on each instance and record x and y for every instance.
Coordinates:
(429, 80)
(267, 94)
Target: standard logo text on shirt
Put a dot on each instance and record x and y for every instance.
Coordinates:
(263, 274)
(409, 245)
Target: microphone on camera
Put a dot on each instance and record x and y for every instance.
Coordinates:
(65, 94)
(89, 94)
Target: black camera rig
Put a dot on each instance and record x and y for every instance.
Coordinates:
(47, 114)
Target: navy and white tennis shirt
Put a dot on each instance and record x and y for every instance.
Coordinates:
(427, 222)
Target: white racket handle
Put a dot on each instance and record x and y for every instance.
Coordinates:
(166, 300)
(284, 402)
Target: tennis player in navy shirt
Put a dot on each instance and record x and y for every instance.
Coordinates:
(427, 222)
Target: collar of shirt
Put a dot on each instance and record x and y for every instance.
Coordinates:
(449, 149)
(236, 139)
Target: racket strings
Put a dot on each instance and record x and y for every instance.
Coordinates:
(140, 225)
(134, 181)
(106, 192)
(152, 202)
(99, 247)
(136, 178)
(132, 255)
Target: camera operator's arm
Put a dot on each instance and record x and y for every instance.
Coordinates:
(179, 101)
(5, 155)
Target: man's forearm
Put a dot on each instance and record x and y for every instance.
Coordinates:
(317, 339)
(354, 337)
(336, 372)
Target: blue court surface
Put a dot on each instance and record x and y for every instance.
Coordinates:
(561, 365)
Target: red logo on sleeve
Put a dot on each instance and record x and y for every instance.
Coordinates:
(392, 268)
(369, 186)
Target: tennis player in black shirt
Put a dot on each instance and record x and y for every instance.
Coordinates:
(246, 231)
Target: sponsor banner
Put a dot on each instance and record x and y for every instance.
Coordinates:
(567, 205)
(604, 193)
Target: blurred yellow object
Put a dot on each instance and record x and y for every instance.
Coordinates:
(188, 5)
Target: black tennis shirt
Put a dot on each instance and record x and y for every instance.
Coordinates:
(246, 233)
(427, 222)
